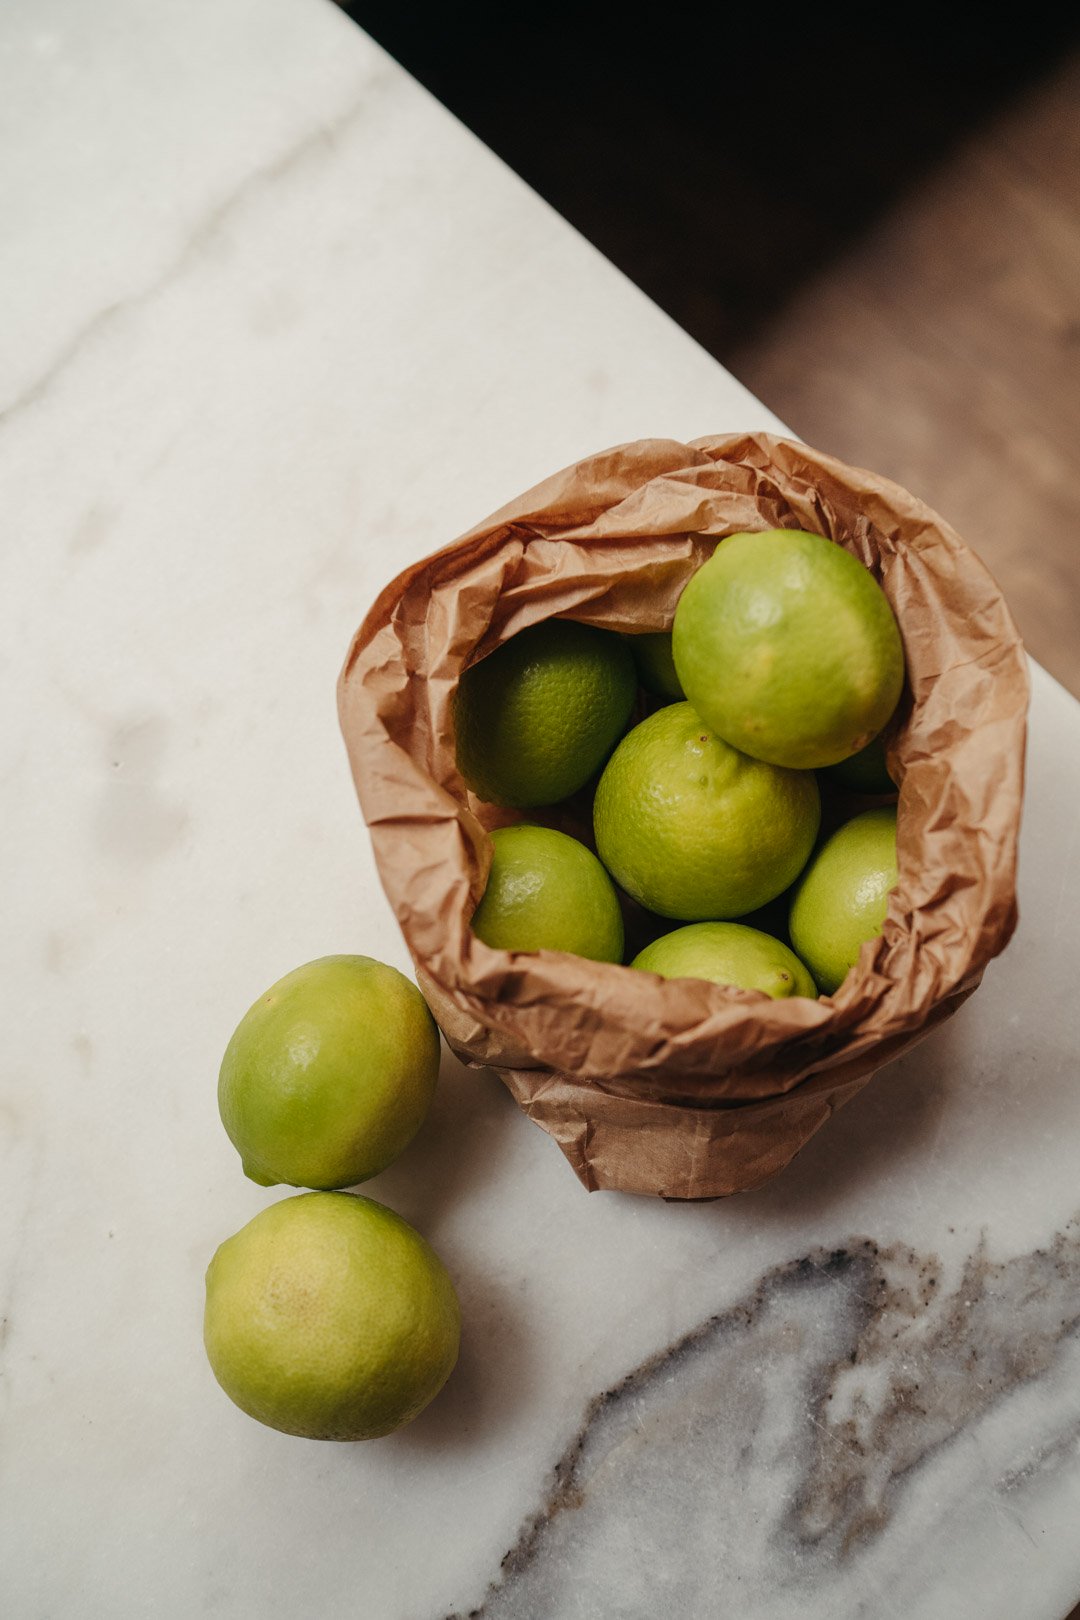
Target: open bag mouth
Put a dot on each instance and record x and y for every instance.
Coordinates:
(611, 542)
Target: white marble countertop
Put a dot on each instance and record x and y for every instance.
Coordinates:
(275, 325)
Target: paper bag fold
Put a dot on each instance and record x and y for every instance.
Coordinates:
(682, 1088)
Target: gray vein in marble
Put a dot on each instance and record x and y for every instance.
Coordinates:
(315, 143)
(820, 1396)
(1063, 1448)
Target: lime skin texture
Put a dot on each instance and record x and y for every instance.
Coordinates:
(843, 896)
(538, 717)
(787, 647)
(328, 1316)
(728, 953)
(547, 892)
(330, 1074)
(695, 830)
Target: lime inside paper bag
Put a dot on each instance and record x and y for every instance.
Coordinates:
(682, 1088)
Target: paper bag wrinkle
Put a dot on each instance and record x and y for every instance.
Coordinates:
(680, 1088)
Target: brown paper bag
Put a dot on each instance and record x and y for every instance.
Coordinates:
(683, 1088)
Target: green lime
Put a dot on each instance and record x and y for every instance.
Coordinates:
(547, 892)
(328, 1316)
(787, 647)
(329, 1075)
(655, 664)
(692, 828)
(728, 953)
(844, 894)
(537, 717)
(864, 772)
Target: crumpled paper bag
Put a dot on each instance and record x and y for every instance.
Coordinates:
(682, 1088)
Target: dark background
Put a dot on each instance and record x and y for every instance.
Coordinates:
(875, 226)
(719, 163)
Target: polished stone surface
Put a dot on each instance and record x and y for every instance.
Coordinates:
(277, 326)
